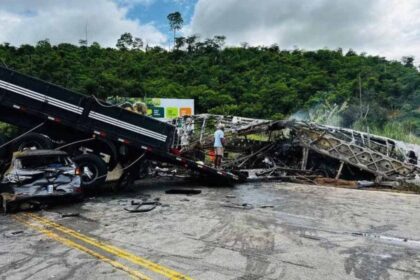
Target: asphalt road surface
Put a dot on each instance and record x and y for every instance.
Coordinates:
(251, 231)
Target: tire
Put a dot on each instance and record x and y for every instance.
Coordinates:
(1, 205)
(125, 182)
(144, 169)
(3, 151)
(93, 170)
(99, 146)
(34, 141)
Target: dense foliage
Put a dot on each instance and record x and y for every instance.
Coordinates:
(261, 82)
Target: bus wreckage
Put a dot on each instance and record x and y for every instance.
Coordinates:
(300, 151)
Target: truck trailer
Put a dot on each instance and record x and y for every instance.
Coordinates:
(97, 135)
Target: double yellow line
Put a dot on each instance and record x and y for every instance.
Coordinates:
(31, 220)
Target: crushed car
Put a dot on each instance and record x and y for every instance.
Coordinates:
(39, 178)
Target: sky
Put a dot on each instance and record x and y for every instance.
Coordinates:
(389, 28)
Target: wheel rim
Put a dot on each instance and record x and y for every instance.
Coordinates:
(29, 145)
(89, 172)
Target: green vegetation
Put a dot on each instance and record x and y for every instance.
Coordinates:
(260, 82)
(7, 130)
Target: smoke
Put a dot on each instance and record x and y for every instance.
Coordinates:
(300, 115)
(324, 113)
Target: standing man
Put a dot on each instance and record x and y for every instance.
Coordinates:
(219, 141)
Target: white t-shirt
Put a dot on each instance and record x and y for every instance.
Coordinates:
(218, 136)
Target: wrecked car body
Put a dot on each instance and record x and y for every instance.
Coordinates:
(36, 178)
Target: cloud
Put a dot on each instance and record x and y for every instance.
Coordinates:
(28, 21)
(131, 3)
(386, 27)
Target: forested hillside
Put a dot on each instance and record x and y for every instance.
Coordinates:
(263, 82)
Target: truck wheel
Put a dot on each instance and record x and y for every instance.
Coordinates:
(145, 169)
(3, 151)
(32, 141)
(93, 170)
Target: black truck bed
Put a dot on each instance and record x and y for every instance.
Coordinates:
(34, 97)
(81, 111)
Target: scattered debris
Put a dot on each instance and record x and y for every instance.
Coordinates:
(140, 209)
(183, 191)
(13, 233)
(244, 206)
(65, 215)
(365, 184)
(313, 237)
(143, 206)
(267, 206)
(391, 239)
(336, 182)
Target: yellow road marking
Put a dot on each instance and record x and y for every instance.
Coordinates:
(135, 274)
(167, 272)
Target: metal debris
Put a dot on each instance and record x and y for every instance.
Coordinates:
(183, 191)
(65, 215)
(302, 152)
(143, 206)
(13, 233)
(245, 206)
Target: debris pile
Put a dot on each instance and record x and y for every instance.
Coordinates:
(300, 151)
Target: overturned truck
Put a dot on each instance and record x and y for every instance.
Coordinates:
(301, 151)
(96, 135)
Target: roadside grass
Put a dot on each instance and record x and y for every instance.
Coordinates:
(398, 132)
(401, 131)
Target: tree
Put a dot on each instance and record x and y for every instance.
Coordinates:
(83, 43)
(219, 41)
(179, 42)
(175, 22)
(44, 44)
(125, 41)
(96, 45)
(137, 44)
(408, 61)
(279, 98)
(190, 41)
(274, 48)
